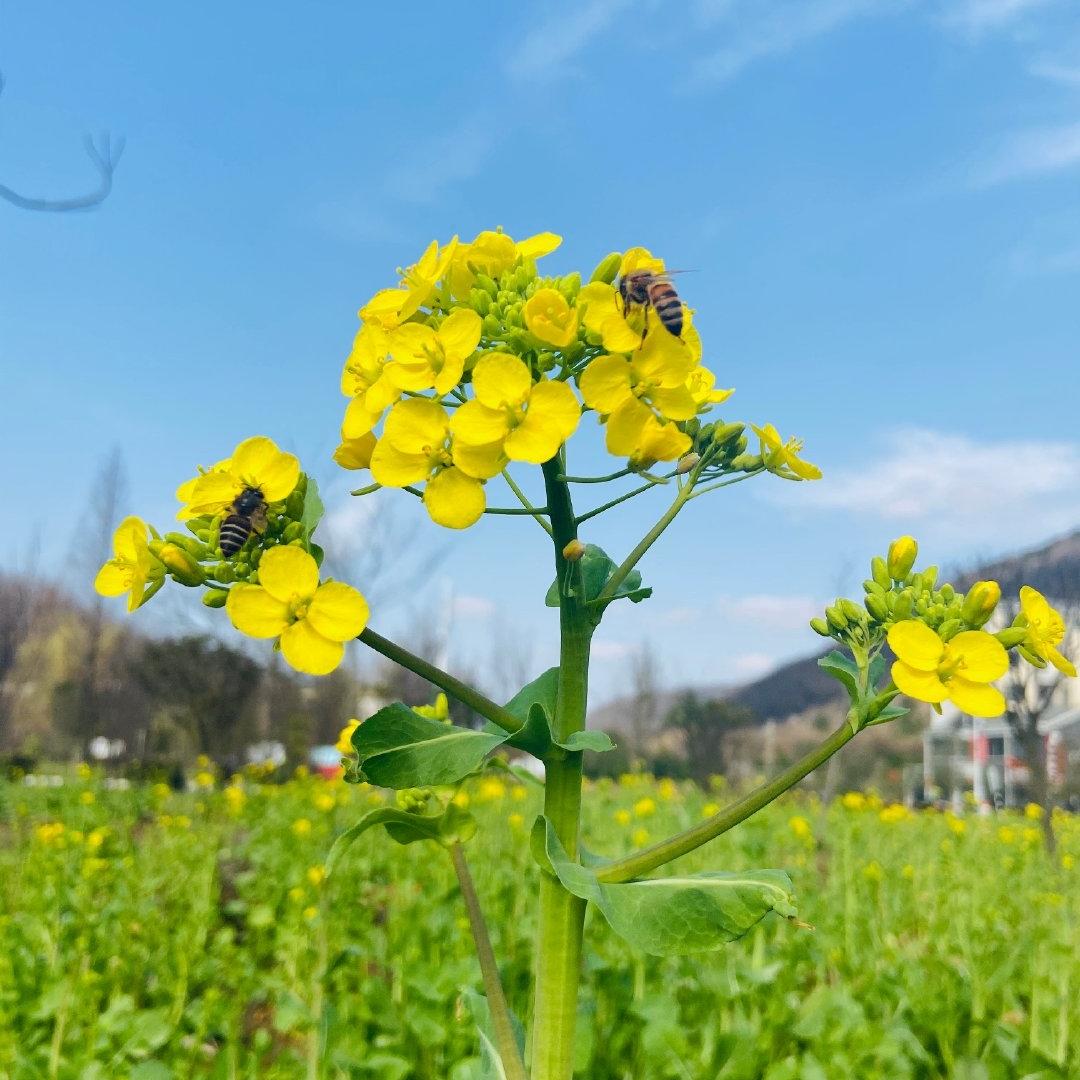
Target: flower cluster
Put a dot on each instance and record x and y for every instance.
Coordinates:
(263, 509)
(936, 632)
(472, 362)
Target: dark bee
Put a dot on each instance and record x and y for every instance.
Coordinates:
(643, 288)
(246, 515)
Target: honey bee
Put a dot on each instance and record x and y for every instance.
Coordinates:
(643, 288)
(246, 515)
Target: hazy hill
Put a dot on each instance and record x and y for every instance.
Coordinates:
(800, 687)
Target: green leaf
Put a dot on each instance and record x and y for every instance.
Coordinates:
(313, 509)
(597, 741)
(844, 669)
(453, 825)
(491, 1067)
(596, 568)
(399, 749)
(677, 915)
(890, 712)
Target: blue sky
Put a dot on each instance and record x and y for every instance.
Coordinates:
(879, 199)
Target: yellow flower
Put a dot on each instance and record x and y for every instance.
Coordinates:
(872, 871)
(363, 379)
(301, 827)
(204, 779)
(528, 421)
(311, 621)
(415, 447)
(639, 258)
(391, 307)
(311, 913)
(492, 789)
(324, 801)
(86, 798)
(461, 800)
(439, 709)
(256, 463)
(235, 797)
(709, 809)
(907, 872)
(894, 813)
(644, 807)
(424, 358)
(518, 793)
(853, 800)
(356, 453)
(129, 570)
(1045, 629)
(491, 253)
(956, 824)
(640, 837)
(516, 821)
(550, 318)
(83, 771)
(929, 669)
(622, 817)
(344, 744)
(783, 458)
(700, 383)
(1068, 861)
(1033, 811)
(902, 553)
(667, 789)
(316, 875)
(800, 826)
(1006, 834)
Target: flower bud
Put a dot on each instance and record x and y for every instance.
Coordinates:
(820, 626)
(836, 618)
(901, 559)
(570, 285)
(727, 433)
(902, 604)
(872, 588)
(182, 565)
(294, 505)
(687, 463)
(852, 610)
(745, 462)
(875, 604)
(880, 572)
(188, 543)
(224, 573)
(947, 592)
(1012, 636)
(573, 551)
(607, 270)
(479, 301)
(215, 598)
(492, 325)
(1032, 658)
(293, 531)
(928, 578)
(950, 628)
(486, 283)
(980, 602)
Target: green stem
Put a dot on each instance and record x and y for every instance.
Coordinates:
(562, 915)
(596, 479)
(623, 498)
(443, 680)
(505, 1040)
(726, 483)
(528, 506)
(641, 862)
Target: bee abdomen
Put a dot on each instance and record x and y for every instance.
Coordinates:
(233, 535)
(668, 307)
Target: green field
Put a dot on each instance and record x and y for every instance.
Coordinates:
(151, 935)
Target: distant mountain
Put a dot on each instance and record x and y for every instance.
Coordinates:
(800, 687)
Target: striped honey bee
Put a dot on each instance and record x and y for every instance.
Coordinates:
(246, 515)
(643, 288)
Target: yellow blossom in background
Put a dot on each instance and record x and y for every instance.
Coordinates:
(344, 744)
(311, 913)
(872, 871)
(1045, 630)
(1033, 812)
(129, 570)
(415, 447)
(956, 824)
(516, 821)
(324, 802)
(518, 793)
(491, 789)
(256, 463)
(908, 872)
(316, 875)
(297, 895)
(235, 797)
(644, 807)
(83, 771)
(800, 826)
(311, 620)
(1031, 836)
(439, 709)
(301, 827)
(204, 779)
(782, 458)
(622, 817)
(86, 798)
(667, 789)
(893, 813)
(930, 669)
(709, 809)
(1068, 862)
(424, 358)
(51, 832)
(96, 837)
(461, 800)
(550, 318)
(527, 421)
(1006, 834)
(640, 837)
(853, 800)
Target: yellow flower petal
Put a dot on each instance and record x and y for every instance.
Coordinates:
(663, 360)
(639, 258)
(384, 308)
(1034, 605)
(983, 657)
(129, 540)
(356, 453)
(917, 645)
(626, 426)
(675, 404)
(258, 463)
(482, 462)
(253, 611)
(500, 379)
(605, 383)
(918, 684)
(213, 491)
(1065, 666)
(308, 651)
(660, 442)
(460, 333)
(288, 573)
(597, 302)
(618, 335)
(359, 420)
(477, 425)
(114, 578)
(392, 468)
(552, 417)
(975, 698)
(454, 500)
(449, 374)
(535, 247)
(550, 318)
(338, 611)
(416, 426)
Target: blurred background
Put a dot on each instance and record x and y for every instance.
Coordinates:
(877, 199)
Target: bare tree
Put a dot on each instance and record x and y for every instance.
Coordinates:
(510, 665)
(644, 705)
(104, 153)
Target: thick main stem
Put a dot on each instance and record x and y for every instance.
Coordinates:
(641, 862)
(501, 1023)
(562, 915)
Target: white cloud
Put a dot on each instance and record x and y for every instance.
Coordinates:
(345, 524)
(999, 492)
(1037, 152)
(547, 49)
(473, 607)
(613, 650)
(977, 16)
(751, 665)
(776, 612)
(432, 165)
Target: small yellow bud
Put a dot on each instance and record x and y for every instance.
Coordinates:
(687, 463)
(901, 559)
(1011, 636)
(608, 268)
(182, 565)
(215, 598)
(879, 571)
(980, 602)
(573, 551)
(820, 626)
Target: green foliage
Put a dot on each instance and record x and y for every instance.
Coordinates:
(674, 915)
(596, 568)
(491, 1067)
(868, 704)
